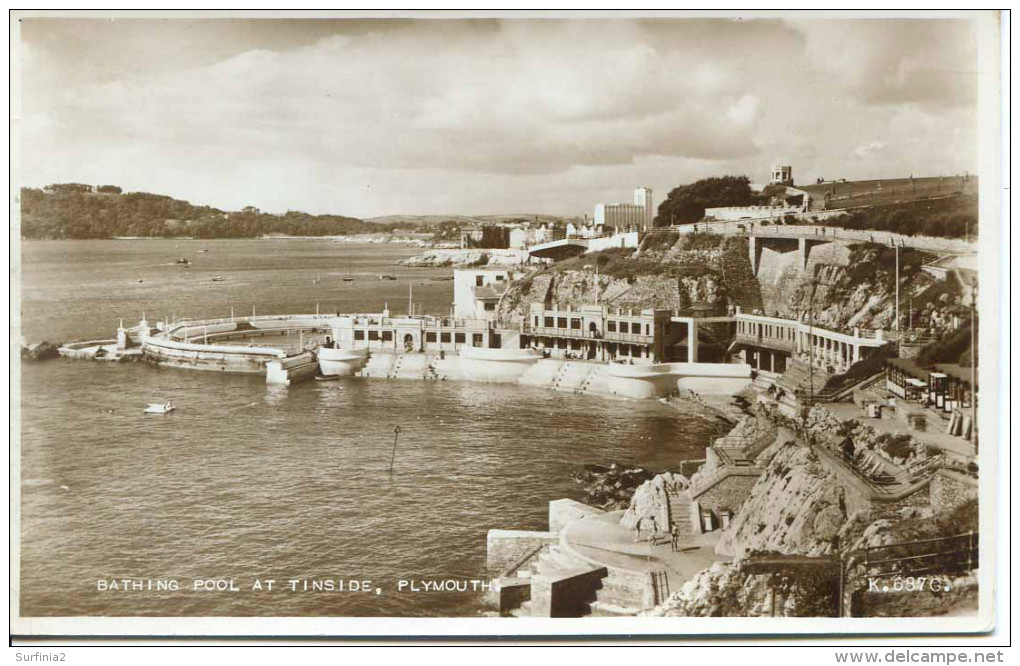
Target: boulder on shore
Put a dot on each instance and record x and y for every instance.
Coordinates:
(610, 487)
(40, 351)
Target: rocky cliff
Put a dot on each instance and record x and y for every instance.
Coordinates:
(848, 286)
(795, 508)
(845, 286)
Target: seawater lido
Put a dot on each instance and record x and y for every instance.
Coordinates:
(291, 348)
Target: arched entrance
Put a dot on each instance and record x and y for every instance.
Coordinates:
(408, 342)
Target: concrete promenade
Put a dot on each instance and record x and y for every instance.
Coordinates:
(602, 540)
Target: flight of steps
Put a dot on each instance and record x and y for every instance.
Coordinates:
(573, 376)
(554, 561)
(410, 366)
(798, 375)
(680, 512)
(378, 365)
(542, 373)
(763, 382)
(620, 594)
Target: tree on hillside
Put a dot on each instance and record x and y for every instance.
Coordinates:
(687, 203)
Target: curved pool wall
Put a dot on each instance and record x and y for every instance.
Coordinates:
(203, 345)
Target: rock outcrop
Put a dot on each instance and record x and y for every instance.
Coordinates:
(466, 258)
(795, 508)
(724, 590)
(610, 487)
(40, 351)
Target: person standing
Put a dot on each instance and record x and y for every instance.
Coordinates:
(674, 538)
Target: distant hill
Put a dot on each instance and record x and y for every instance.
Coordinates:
(74, 210)
(470, 220)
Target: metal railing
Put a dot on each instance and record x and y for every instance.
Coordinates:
(610, 336)
(957, 553)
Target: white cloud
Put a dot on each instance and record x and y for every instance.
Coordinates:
(438, 117)
(867, 150)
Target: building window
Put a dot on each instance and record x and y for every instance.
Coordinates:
(476, 339)
(499, 278)
(490, 306)
(373, 335)
(575, 324)
(479, 280)
(611, 326)
(387, 336)
(549, 323)
(536, 321)
(444, 336)
(458, 338)
(430, 336)
(575, 345)
(561, 322)
(359, 334)
(623, 327)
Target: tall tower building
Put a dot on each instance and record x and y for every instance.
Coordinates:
(643, 198)
(782, 175)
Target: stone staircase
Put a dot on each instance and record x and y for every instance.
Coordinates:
(620, 594)
(798, 375)
(763, 382)
(378, 365)
(542, 373)
(410, 366)
(554, 561)
(573, 376)
(679, 507)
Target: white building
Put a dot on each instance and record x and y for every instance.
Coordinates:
(520, 238)
(476, 292)
(637, 215)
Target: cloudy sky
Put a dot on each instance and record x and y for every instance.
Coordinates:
(377, 117)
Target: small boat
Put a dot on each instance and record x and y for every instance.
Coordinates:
(326, 378)
(218, 278)
(159, 408)
(387, 277)
(348, 279)
(203, 250)
(140, 280)
(182, 261)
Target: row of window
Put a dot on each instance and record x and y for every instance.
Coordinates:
(612, 325)
(477, 339)
(768, 330)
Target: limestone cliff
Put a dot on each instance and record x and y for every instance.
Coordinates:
(795, 508)
(724, 590)
(570, 289)
(848, 286)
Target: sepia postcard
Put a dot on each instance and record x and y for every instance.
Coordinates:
(506, 324)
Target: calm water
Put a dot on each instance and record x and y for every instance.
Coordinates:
(248, 482)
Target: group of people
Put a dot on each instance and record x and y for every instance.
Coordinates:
(674, 532)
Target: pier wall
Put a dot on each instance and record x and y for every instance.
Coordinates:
(222, 358)
(505, 548)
